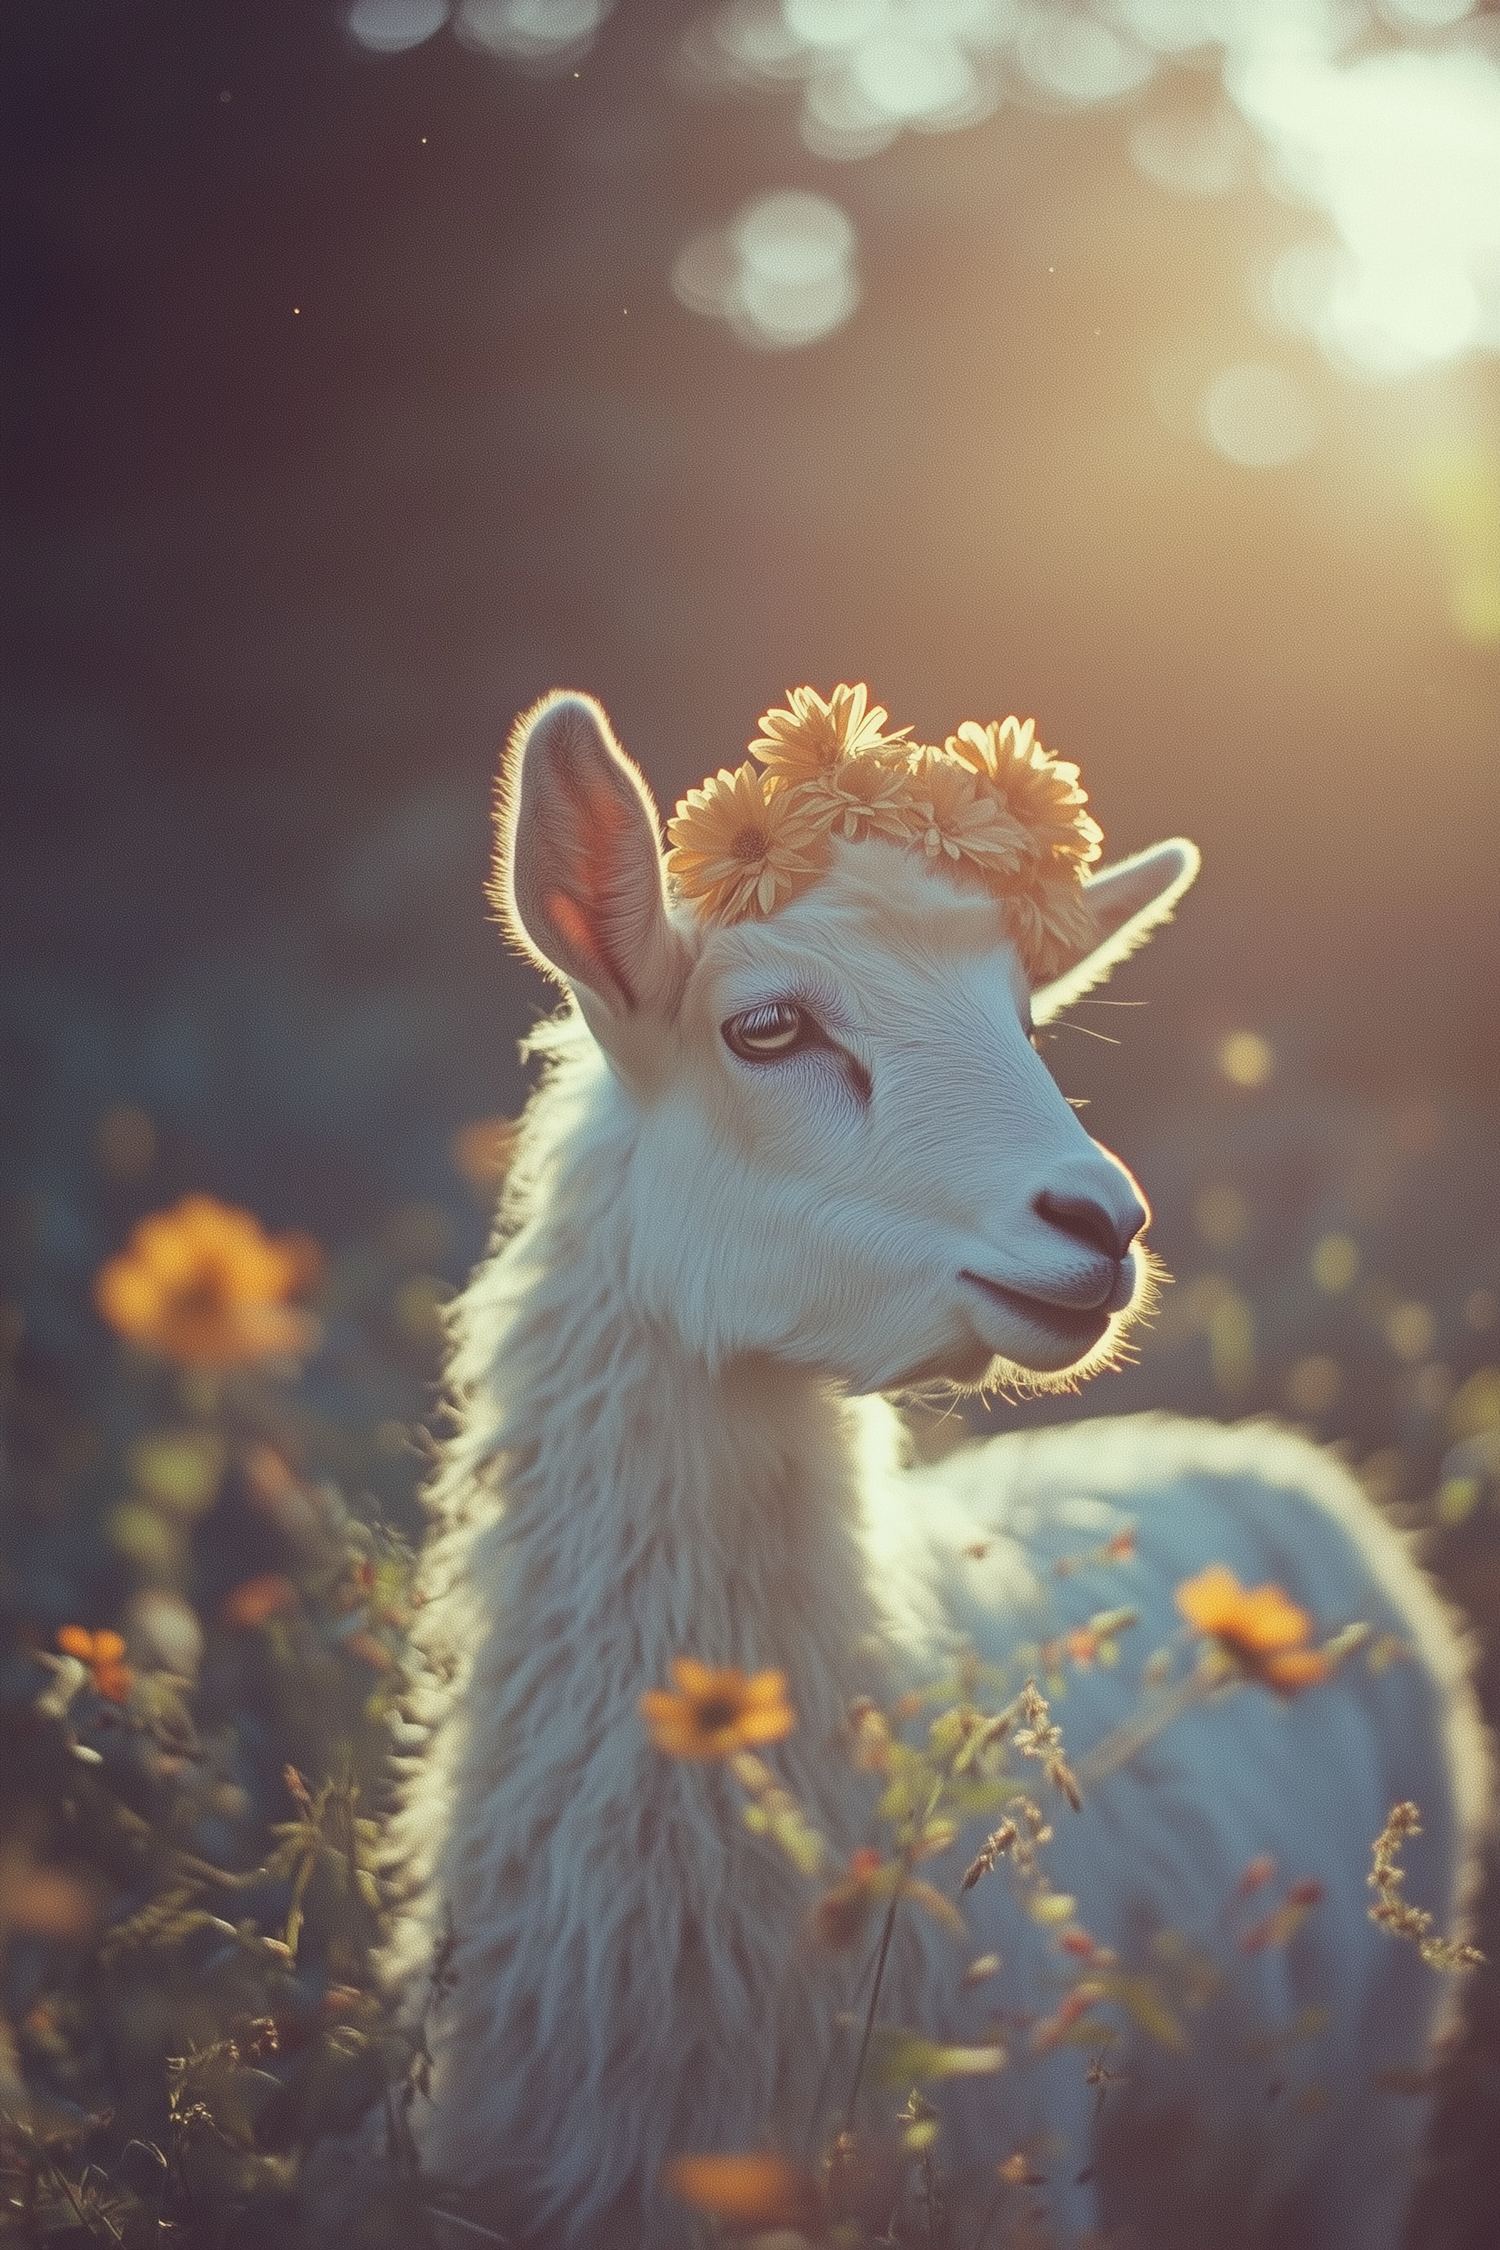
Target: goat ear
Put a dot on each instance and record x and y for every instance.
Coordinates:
(578, 870)
(1125, 903)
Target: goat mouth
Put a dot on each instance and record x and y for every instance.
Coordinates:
(1069, 1324)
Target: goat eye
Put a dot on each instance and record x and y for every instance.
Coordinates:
(764, 1034)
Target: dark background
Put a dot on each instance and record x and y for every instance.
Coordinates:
(350, 408)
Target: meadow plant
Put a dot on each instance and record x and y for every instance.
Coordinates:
(189, 1896)
(868, 2172)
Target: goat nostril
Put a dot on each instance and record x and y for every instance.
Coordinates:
(1089, 1222)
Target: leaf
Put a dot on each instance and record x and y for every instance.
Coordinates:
(903, 2057)
(1141, 1998)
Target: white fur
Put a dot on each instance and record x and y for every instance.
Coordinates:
(663, 1446)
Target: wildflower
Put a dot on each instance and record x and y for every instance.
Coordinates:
(1260, 1627)
(103, 1653)
(258, 1599)
(1052, 2030)
(1121, 1548)
(1049, 924)
(864, 797)
(715, 1713)
(813, 735)
(205, 1285)
(740, 844)
(756, 2189)
(1282, 1924)
(1041, 793)
(1083, 1646)
(959, 821)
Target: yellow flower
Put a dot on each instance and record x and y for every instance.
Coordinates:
(205, 1285)
(864, 796)
(813, 735)
(741, 844)
(1260, 1627)
(1050, 926)
(713, 1714)
(756, 2189)
(958, 819)
(1039, 791)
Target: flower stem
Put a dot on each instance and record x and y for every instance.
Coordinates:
(908, 1859)
(880, 1960)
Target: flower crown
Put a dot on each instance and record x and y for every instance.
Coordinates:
(990, 802)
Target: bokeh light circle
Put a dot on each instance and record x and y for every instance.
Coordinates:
(531, 31)
(390, 27)
(1257, 415)
(782, 273)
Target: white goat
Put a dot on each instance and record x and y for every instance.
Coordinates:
(777, 1169)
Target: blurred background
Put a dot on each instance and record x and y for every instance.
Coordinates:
(376, 365)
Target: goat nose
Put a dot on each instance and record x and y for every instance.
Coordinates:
(1093, 1223)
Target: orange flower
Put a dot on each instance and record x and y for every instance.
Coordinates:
(259, 1598)
(714, 1714)
(102, 1653)
(1050, 925)
(1260, 1627)
(991, 799)
(752, 2190)
(205, 1285)
(740, 844)
(863, 797)
(1039, 791)
(958, 819)
(798, 744)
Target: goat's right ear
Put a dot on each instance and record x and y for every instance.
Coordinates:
(578, 868)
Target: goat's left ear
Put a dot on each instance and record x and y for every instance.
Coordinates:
(578, 869)
(1125, 905)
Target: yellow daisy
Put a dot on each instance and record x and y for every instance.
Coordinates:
(1261, 1627)
(959, 820)
(742, 845)
(797, 744)
(713, 1714)
(1050, 926)
(755, 2189)
(204, 1284)
(862, 797)
(1041, 792)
